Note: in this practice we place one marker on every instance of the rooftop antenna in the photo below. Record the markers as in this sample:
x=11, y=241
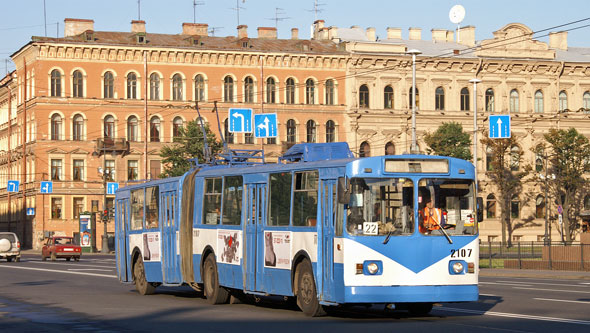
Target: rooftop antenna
x=316, y=9
x=195, y=4
x=456, y=15
x=237, y=9
x=206, y=150
x=213, y=29
x=277, y=18
x=139, y=9
x=45, y=17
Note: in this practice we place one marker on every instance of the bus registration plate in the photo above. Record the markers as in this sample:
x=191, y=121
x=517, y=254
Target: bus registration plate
x=370, y=228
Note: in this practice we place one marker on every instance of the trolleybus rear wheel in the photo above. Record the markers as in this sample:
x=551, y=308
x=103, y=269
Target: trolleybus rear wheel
x=141, y=284
x=215, y=294
x=307, y=298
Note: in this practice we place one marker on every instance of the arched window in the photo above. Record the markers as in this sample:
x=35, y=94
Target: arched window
x=229, y=136
x=330, y=92
x=132, y=86
x=465, y=99
x=271, y=90
x=515, y=207
x=177, y=87
x=439, y=98
x=132, y=129
x=586, y=102
x=309, y=92
x=55, y=83
x=540, y=207
x=77, y=84
x=539, y=101
x=364, y=96
x=291, y=131
x=562, y=100
x=491, y=206
x=228, y=89
x=388, y=97
x=417, y=98
x=514, y=158
x=154, y=86
x=514, y=107
x=109, y=85
x=290, y=91
x=177, y=124
x=365, y=149
x=109, y=127
x=248, y=138
x=389, y=148
x=199, y=88
x=78, y=128
x=489, y=159
x=248, y=90
x=56, y=127
x=155, y=129
x=311, y=131
x=490, y=103
x=330, y=131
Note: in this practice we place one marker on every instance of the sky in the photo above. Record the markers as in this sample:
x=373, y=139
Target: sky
x=25, y=18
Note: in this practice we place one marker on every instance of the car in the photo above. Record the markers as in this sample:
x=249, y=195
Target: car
x=61, y=247
x=9, y=246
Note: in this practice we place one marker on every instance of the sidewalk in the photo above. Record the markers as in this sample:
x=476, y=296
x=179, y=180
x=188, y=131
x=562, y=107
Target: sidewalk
x=535, y=274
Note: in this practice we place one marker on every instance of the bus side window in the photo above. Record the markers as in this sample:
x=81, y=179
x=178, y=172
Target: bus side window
x=152, y=207
x=305, y=198
x=232, y=200
x=212, y=200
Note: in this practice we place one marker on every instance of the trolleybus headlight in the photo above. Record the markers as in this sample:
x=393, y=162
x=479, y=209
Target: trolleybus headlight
x=458, y=267
x=373, y=268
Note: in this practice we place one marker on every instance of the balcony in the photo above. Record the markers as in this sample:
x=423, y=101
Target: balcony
x=104, y=145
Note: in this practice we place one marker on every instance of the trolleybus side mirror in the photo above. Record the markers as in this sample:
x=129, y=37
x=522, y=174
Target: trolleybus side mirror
x=343, y=191
x=479, y=209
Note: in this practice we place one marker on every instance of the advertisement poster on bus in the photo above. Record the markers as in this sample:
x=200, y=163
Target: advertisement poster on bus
x=229, y=244
x=151, y=246
x=277, y=249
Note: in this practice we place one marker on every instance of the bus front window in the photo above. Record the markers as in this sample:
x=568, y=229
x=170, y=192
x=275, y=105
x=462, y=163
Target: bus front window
x=380, y=207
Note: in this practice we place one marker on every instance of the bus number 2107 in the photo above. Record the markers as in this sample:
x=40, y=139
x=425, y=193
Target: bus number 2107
x=460, y=253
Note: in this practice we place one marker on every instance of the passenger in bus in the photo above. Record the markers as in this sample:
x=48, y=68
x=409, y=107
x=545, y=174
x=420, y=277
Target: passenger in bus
x=431, y=218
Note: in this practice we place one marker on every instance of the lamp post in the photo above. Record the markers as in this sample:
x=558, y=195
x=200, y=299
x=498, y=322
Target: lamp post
x=475, y=82
x=546, y=236
x=414, y=147
x=105, y=236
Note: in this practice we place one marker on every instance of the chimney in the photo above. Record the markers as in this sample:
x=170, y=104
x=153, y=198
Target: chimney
x=242, y=31
x=267, y=33
x=294, y=33
x=137, y=26
x=195, y=29
x=394, y=33
x=332, y=33
x=450, y=36
x=371, y=34
x=558, y=40
x=466, y=35
x=74, y=27
x=318, y=25
x=439, y=35
x=415, y=33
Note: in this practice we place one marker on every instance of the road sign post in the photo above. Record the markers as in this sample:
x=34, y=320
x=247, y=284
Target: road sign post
x=265, y=125
x=46, y=187
x=112, y=187
x=499, y=126
x=12, y=186
x=240, y=120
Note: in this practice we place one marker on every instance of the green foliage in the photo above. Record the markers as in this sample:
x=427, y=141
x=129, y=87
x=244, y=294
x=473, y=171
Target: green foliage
x=449, y=140
x=189, y=144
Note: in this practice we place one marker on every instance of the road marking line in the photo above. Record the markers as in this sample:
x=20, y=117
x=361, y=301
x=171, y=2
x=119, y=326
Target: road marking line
x=551, y=284
x=561, y=300
x=556, y=290
x=56, y=271
x=71, y=264
x=89, y=269
x=516, y=315
x=505, y=284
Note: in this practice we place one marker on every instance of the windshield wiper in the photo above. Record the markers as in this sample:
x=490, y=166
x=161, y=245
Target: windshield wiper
x=389, y=233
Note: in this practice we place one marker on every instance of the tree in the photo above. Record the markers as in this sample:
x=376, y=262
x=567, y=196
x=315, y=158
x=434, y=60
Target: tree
x=189, y=144
x=449, y=140
x=568, y=161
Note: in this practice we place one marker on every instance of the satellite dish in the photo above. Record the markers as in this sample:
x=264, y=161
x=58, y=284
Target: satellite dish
x=457, y=14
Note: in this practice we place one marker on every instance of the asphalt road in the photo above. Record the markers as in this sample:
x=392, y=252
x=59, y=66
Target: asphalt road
x=45, y=296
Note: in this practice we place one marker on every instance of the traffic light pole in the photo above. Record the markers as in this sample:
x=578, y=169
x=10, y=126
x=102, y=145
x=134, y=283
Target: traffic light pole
x=105, y=237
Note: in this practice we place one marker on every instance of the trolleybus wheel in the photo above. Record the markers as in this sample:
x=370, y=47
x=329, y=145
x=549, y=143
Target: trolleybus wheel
x=141, y=284
x=215, y=294
x=419, y=309
x=307, y=298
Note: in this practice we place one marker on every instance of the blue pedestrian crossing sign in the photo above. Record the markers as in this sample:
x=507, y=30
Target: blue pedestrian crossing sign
x=265, y=125
x=30, y=211
x=12, y=186
x=499, y=126
x=46, y=187
x=112, y=188
x=240, y=121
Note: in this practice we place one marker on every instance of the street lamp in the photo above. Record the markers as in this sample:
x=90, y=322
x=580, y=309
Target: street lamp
x=475, y=82
x=414, y=147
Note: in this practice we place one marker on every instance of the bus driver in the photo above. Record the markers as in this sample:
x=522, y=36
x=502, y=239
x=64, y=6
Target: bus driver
x=430, y=218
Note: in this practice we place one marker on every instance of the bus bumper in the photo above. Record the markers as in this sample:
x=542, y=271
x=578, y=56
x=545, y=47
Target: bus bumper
x=403, y=294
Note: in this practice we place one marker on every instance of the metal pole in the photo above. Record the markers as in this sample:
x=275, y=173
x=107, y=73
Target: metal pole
x=475, y=82
x=24, y=161
x=104, y=206
x=546, y=236
x=414, y=147
x=145, y=109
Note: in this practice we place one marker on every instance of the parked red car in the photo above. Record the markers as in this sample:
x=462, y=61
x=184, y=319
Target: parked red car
x=61, y=247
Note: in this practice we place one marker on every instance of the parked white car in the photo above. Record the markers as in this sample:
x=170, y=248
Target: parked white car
x=9, y=246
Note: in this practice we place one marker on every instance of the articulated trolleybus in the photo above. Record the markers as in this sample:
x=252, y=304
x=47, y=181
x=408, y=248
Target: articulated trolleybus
x=319, y=226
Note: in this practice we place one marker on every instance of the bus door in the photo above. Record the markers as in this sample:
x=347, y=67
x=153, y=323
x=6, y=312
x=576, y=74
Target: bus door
x=254, y=244
x=170, y=268
x=122, y=247
x=326, y=249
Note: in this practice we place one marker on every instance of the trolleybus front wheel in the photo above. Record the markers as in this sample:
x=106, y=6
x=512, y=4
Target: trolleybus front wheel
x=307, y=297
x=215, y=294
x=141, y=284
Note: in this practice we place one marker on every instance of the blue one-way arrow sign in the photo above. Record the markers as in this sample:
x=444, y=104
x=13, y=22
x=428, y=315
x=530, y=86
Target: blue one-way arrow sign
x=13, y=185
x=265, y=125
x=112, y=188
x=499, y=126
x=240, y=121
x=46, y=187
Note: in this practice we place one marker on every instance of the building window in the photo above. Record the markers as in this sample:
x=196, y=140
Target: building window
x=131, y=86
x=364, y=96
x=248, y=90
x=155, y=129
x=540, y=207
x=77, y=84
x=490, y=100
x=330, y=92
x=417, y=98
x=177, y=124
x=229, y=136
x=562, y=100
x=199, y=88
x=290, y=91
x=56, y=127
x=109, y=127
x=271, y=88
x=249, y=138
x=489, y=159
x=56, y=172
x=56, y=206
x=309, y=92
x=388, y=97
x=109, y=170
x=78, y=128
x=311, y=131
x=109, y=85
x=155, y=169
x=491, y=206
x=365, y=149
x=177, y=87
x=389, y=148
x=539, y=101
x=586, y=102
x=55, y=83
x=228, y=89
x=514, y=107
x=78, y=172
x=587, y=202
x=78, y=207
x=132, y=128
x=291, y=131
x=465, y=99
x=514, y=158
x=539, y=159
x=330, y=131
x=132, y=170
x=154, y=86
x=515, y=207
x=439, y=98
